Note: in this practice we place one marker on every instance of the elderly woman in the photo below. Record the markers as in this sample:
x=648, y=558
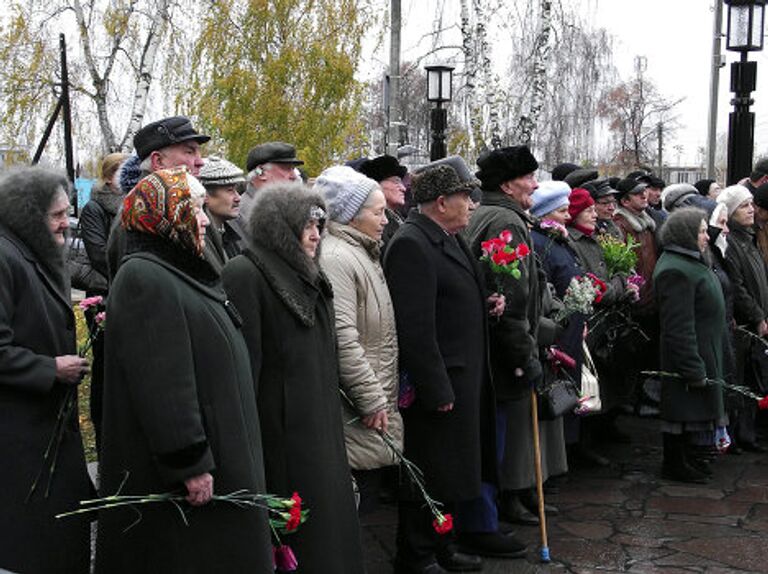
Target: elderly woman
x=179, y=406
x=692, y=315
x=748, y=273
x=288, y=320
x=365, y=323
x=38, y=367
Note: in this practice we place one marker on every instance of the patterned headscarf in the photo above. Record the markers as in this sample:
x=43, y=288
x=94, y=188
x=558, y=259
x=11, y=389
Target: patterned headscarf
x=163, y=204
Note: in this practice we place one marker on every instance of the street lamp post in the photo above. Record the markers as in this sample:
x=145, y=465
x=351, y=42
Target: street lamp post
x=439, y=91
x=744, y=35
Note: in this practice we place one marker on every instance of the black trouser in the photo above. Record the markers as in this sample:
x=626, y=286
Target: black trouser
x=417, y=542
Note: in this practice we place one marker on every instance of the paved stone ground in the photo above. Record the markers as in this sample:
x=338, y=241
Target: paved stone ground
x=624, y=518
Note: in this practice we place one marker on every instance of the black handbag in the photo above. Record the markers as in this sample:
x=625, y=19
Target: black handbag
x=558, y=393
x=557, y=398
x=81, y=274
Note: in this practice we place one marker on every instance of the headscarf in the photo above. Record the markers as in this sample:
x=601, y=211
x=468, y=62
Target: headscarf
x=163, y=204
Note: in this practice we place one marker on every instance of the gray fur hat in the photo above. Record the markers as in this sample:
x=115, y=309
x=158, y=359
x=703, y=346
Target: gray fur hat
x=345, y=191
x=217, y=171
x=462, y=170
x=682, y=228
x=440, y=180
x=26, y=194
x=674, y=195
x=280, y=214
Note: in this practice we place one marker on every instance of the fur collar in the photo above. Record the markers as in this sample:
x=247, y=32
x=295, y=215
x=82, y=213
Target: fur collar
x=107, y=199
x=296, y=291
x=637, y=223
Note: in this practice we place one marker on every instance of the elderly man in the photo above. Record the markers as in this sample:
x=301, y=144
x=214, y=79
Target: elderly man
x=386, y=170
x=222, y=205
x=440, y=310
x=605, y=205
x=267, y=163
x=508, y=181
x=758, y=177
x=164, y=144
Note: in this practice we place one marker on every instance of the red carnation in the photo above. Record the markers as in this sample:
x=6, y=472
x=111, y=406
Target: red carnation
x=443, y=523
x=295, y=513
x=762, y=404
x=522, y=250
x=506, y=236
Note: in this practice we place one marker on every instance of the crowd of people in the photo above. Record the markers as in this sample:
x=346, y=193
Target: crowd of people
x=269, y=334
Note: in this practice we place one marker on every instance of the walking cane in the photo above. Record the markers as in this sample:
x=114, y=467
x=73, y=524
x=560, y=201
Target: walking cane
x=539, y=481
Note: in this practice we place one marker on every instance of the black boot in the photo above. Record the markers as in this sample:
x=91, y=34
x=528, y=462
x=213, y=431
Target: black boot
x=696, y=458
x=675, y=466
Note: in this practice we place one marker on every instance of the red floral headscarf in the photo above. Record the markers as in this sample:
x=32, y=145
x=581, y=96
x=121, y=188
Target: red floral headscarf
x=162, y=204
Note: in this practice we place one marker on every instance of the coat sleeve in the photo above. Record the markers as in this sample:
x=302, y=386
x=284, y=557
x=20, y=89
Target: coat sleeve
x=412, y=279
x=746, y=309
x=160, y=371
x=357, y=377
x=20, y=367
x=676, y=295
x=94, y=228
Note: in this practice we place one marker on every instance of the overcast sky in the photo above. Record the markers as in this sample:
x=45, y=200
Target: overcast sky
x=675, y=37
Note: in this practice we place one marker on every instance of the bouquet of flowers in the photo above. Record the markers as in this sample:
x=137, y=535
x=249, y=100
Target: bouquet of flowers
x=620, y=257
x=69, y=400
x=582, y=293
x=503, y=258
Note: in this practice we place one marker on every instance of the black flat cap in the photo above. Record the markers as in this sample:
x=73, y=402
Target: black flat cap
x=578, y=177
x=382, y=167
x=629, y=186
x=562, y=169
x=272, y=152
x=598, y=188
x=164, y=133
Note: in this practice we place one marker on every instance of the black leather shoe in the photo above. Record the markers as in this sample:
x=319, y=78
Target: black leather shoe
x=682, y=472
x=460, y=562
x=531, y=502
x=492, y=544
x=512, y=510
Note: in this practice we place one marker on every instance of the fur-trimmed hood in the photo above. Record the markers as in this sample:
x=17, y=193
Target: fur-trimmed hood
x=278, y=218
x=26, y=193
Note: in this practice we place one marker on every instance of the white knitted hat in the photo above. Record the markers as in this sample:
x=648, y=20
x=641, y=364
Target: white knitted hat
x=733, y=196
x=217, y=171
x=344, y=190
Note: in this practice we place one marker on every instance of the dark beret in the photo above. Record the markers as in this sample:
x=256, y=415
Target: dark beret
x=272, y=152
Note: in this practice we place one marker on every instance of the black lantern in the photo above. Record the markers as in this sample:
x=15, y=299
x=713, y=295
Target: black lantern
x=439, y=91
x=745, y=25
x=745, y=34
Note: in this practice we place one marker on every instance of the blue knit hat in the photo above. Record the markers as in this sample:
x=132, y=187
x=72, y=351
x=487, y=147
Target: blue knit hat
x=549, y=196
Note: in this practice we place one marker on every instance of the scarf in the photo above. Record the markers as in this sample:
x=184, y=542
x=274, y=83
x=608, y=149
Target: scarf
x=638, y=223
x=161, y=204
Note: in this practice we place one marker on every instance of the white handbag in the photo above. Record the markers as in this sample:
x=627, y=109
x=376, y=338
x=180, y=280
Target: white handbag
x=589, y=402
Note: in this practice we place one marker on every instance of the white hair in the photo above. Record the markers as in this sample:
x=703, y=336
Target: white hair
x=196, y=189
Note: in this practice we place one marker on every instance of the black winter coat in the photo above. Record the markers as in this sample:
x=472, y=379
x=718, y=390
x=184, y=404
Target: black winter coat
x=591, y=259
x=178, y=402
x=95, y=223
x=512, y=336
x=749, y=276
x=289, y=328
x=36, y=325
x=440, y=310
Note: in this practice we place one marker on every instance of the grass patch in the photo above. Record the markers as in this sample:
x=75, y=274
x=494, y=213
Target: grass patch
x=84, y=393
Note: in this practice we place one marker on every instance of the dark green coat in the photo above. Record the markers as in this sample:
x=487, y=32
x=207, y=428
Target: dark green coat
x=590, y=256
x=36, y=325
x=289, y=327
x=692, y=315
x=178, y=402
x=512, y=336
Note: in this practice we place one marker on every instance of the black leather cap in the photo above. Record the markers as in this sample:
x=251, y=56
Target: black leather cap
x=164, y=133
x=272, y=152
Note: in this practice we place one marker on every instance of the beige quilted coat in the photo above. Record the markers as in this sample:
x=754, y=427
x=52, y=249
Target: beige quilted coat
x=367, y=342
